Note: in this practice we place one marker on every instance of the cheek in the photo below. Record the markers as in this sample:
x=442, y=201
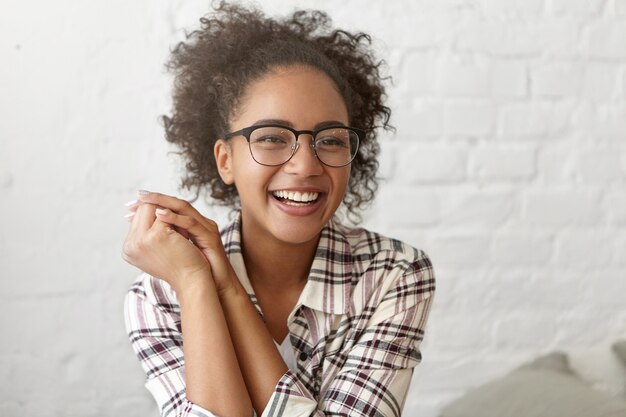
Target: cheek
x=251, y=178
x=342, y=180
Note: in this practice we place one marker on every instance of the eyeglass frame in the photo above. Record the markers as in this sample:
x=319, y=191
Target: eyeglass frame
x=247, y=131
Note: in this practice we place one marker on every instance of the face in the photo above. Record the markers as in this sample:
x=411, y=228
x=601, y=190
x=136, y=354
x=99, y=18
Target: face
x=305, y=99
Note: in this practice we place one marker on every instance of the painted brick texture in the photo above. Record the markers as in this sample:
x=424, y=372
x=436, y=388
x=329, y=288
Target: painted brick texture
x=508, y=167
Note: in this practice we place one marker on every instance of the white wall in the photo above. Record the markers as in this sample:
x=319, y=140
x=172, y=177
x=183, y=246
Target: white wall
x=508, y=167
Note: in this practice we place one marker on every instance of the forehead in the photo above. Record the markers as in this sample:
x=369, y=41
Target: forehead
x=302, y=95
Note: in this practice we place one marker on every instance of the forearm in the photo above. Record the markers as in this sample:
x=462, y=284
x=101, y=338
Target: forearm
x=213, y=378
x=259, y=360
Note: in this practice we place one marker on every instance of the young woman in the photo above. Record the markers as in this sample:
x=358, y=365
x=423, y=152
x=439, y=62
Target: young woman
x=286, y=312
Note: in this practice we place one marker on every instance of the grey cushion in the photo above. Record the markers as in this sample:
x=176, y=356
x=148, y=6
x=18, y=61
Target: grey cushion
x=620, y=349
x=544, y=388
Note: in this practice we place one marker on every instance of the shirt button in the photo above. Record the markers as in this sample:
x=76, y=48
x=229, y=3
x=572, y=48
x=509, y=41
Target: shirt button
x=303, y=356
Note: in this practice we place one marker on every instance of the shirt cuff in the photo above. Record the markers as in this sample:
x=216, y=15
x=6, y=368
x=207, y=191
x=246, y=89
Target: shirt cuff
x=193, y=410
x=168, y=390
x=290, y=398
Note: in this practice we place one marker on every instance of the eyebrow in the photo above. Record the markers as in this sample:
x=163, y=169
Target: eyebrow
x=287, y=123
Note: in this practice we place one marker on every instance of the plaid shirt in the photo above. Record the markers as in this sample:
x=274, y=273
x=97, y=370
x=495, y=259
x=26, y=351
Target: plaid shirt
x=355, y=330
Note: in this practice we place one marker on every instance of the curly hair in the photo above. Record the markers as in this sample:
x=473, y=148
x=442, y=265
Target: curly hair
x=235, y=46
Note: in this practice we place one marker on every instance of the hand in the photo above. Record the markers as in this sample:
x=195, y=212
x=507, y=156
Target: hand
x=156, y=248
x=203, y=232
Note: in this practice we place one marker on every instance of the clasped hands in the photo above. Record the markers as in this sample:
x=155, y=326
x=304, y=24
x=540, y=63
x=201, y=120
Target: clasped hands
x=169, y=239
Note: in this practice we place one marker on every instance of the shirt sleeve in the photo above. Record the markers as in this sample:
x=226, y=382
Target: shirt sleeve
x=152, y=317
x=376, y=375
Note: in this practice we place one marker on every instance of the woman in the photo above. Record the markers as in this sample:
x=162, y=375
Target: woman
x=288, y=312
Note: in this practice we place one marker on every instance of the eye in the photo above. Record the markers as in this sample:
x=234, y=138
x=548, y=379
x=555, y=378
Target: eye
x=333, y=139
x=269, y=139
x=331, y=142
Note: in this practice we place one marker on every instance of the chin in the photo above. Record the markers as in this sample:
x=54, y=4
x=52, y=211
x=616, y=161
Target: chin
x=298, y=232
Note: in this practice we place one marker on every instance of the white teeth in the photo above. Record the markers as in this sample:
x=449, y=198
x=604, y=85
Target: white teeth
x=296, y=196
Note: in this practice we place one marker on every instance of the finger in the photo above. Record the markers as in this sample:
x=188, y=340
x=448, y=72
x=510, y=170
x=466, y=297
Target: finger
x=132, y=205
x=178, y=229
x=174, y=204
x=143, y=219
x=204, y=234
x=166, y=201
x=198, y=231
x=182, y=232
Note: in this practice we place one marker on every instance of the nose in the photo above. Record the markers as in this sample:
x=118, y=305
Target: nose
x=304, y=161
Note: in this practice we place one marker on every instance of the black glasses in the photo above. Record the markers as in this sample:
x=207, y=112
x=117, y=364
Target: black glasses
x=273, y=145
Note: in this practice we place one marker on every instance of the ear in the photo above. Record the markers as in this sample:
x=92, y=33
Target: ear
x=224, y=161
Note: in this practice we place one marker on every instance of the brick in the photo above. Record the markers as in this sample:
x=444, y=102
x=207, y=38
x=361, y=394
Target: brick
x=530, y=331
x=534, y=120
x=562, y=80
x=521, y=250
x=565, y=151
x=432, y=164
x=577, y=7
x=595, y=331
x=605, y=39
x=601, y=165
x=513, y=39
x=558, y=37
x=583, y=249
x=555, y=208
x=472, y=118
x=418, y=74
x=6, y=180
x=519, y=39
x=406, y=207
x=418, y=119
x=619, y=251
x=478, y=209
x=512, y=8
x=129, y=405
x=430, y=28
x=497, y=163
x=465, y=79
x=449, y=371
x=509, y=79
x=461, y=249
x=615, y=205
x=604, y=121
x=548, y=290
x=471, y=332
x=387, y=159
x=463, y=289
x=600, y=81
x=547, y=271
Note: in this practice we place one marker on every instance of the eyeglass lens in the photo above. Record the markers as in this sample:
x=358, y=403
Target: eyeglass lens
x=274, y=145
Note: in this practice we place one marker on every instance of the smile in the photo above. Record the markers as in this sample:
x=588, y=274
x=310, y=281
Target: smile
x=295, y=198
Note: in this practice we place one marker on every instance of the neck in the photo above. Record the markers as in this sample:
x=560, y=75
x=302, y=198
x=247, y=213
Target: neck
x=276, y=264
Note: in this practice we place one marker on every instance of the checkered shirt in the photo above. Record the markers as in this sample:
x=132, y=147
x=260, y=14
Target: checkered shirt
x=355, y=330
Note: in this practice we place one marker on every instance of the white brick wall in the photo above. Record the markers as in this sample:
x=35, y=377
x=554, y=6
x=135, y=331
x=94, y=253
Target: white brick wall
x=508, y=167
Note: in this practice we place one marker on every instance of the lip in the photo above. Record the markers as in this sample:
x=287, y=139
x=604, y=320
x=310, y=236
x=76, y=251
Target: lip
x=299, y=210
x=299, y=189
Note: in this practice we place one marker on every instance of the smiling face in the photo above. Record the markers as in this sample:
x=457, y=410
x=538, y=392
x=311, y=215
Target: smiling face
x=289, y=203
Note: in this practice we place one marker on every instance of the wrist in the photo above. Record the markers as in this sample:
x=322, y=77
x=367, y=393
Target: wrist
x=194, y=284
x=232, y=291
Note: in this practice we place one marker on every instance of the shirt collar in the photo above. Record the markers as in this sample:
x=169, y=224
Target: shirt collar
x=329, y=285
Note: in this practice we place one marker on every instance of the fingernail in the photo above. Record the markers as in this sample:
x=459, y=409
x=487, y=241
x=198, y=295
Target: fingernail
x=160, y=211
x=129, y=215
x=131, y=203
x=143, y=192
